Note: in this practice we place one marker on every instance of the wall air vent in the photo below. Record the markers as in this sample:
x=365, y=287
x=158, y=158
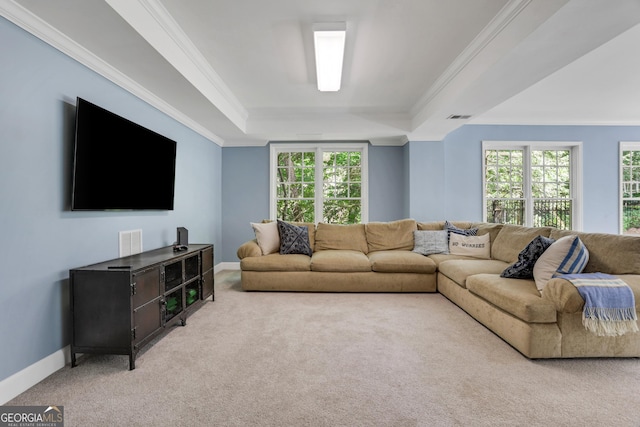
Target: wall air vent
x=459, y=117
x=130, y=242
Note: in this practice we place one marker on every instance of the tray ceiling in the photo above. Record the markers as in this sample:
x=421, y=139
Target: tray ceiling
x=242, y=72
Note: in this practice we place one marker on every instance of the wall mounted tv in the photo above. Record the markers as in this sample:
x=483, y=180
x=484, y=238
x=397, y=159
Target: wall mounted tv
x=120, y=165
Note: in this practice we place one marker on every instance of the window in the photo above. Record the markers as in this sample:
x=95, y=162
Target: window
x=630, y=187
x=319, y=183
x=532, y=184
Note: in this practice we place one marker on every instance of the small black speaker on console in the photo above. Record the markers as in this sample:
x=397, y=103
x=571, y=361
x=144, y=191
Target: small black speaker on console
x=182, y=239
x=183, y=236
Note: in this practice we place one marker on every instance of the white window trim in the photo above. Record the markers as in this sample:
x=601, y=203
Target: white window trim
x=319, y=148
x=624, y=145
x=576, y=172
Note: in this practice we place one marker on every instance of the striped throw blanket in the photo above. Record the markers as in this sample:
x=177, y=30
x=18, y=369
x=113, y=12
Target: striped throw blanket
x=609, y=304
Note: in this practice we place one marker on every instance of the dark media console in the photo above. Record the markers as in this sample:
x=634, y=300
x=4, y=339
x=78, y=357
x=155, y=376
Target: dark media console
x=120, y=305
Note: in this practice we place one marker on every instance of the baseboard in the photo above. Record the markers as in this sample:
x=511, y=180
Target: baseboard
x=226, y=266
x=31, y=375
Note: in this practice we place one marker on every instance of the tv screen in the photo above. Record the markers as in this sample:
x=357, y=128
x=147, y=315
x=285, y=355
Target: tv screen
x=119, y=165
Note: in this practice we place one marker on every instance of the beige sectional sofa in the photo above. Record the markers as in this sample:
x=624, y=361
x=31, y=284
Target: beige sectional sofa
x=379, y=257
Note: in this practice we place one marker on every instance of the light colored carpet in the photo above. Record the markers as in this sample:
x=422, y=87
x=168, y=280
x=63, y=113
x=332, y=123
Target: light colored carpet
x=304, y=359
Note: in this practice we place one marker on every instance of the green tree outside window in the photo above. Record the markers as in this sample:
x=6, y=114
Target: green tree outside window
x=319, y=186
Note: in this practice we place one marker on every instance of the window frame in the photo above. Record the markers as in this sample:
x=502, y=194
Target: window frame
x=575, y=148
x=319, y=148
x=623, y=146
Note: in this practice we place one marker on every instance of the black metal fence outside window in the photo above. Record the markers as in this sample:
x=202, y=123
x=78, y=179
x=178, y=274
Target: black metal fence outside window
x=546, y=213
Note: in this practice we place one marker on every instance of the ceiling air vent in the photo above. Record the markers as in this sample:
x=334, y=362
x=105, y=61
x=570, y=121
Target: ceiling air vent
x=459, y=117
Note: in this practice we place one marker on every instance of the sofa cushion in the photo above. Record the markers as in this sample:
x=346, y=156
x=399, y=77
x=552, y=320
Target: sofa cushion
x=267, y=236
x=566, y=298
x=523, y=268
x=400, y=262
x=459, y=270
x=512, y=239
x=342, y=237
x=386, y=236
x=340, y=260
x=294, y=239
x=276, y=262
x=567, y=255
x=474, y=246
x=440, y=258
x=608, y=253
x=517, y=297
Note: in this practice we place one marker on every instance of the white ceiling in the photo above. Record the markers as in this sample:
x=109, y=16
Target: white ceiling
x=241, y=72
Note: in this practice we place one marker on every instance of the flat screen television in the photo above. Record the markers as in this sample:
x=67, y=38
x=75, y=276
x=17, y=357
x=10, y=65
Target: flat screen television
x=120, y=165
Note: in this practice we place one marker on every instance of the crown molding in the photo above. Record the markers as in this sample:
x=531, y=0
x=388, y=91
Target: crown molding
x=393, y=141
x=26, y=20
x=506, y=15
x=156, y=25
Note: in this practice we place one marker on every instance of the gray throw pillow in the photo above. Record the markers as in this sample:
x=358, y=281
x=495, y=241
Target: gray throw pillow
x=523, y=268
x=294, y=239
x=427, y=242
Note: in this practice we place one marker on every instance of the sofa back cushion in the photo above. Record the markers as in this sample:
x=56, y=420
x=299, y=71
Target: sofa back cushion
x=487, y=228
x=388, y=236
x=608, y=253
x=512, y=239
x=334, y=236
x=439, y=225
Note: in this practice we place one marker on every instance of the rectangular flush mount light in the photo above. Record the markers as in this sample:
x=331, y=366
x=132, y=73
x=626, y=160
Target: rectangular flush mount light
x=329, y=40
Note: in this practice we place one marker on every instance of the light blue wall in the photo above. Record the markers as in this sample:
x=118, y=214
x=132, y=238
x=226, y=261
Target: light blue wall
x=426, y=183
x=245, y=195
x=386, y=181
x=41, y=239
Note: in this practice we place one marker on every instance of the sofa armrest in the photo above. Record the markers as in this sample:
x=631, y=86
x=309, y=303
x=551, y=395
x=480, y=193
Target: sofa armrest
x=249, y=249
x=563, y=295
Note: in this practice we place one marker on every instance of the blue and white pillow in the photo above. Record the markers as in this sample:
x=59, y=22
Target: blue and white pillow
x=462, y=231
x=567, y=255
x=576, y=259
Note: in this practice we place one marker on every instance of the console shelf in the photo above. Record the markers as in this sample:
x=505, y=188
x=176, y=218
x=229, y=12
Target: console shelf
x=120, y=305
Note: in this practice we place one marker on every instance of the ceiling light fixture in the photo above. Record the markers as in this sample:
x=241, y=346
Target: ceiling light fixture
x=329, y=40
